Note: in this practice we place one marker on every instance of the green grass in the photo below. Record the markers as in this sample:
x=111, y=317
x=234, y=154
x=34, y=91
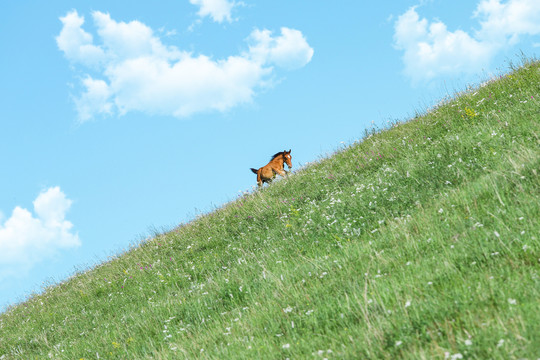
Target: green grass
x=420, y=241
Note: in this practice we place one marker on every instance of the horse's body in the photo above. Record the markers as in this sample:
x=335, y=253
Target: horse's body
x=275, y=166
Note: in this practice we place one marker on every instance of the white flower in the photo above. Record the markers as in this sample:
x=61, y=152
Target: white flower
x=288, y=309
x=512, y=301
x=286, y=346
x=441, y=211
x=399, y=342
x=500, y=343
x=408, y=303
x=468, y=342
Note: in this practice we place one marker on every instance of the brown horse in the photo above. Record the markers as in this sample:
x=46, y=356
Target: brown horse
x=275, y=166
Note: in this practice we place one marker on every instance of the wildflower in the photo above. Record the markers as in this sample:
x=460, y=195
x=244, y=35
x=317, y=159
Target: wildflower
x=470, y=113
x=500, y=343
x=468, y=342
x=408, y=303
x=399, y=342
x=288, y=309
x=512, y=301
x=286, y=346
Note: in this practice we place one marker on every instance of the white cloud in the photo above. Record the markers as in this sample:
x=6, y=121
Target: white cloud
x=77, y=43
x=95, y=100
x=25, y=239
x=139, y=73
x=431, y=50
x=507, y=21
x=290, y=50
x=218, y=10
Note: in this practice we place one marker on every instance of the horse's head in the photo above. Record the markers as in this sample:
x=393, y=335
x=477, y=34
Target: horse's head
x=287, y=158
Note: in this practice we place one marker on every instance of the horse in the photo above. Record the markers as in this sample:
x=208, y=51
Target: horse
x=276, y=166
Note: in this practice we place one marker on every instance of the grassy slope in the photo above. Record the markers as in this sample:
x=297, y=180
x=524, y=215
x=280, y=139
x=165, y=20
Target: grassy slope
x=420, y=241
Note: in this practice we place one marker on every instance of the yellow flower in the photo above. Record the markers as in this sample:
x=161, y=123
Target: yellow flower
x=116, y=345
x=470, y=113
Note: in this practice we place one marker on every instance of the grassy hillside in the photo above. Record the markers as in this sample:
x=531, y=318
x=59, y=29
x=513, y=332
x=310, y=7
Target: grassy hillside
x=421, y=241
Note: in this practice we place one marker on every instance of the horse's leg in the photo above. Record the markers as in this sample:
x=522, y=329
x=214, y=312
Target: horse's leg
x=280, y=172
x=259, y=180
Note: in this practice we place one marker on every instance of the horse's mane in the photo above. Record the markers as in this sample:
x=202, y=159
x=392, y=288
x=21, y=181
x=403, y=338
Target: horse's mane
x=276, y=155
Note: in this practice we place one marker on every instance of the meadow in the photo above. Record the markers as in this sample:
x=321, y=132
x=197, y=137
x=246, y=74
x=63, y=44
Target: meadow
x=418, y=241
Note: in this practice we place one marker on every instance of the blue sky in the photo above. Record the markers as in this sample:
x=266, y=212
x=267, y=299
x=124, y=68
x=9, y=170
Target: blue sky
x=121, y=118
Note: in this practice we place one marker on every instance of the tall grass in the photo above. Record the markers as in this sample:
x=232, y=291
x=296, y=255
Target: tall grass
x=420, y=241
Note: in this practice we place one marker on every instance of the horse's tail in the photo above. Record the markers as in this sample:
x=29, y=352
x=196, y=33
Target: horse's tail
x=254, y=170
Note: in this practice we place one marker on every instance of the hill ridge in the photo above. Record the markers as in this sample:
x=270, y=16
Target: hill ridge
x=419, y=241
